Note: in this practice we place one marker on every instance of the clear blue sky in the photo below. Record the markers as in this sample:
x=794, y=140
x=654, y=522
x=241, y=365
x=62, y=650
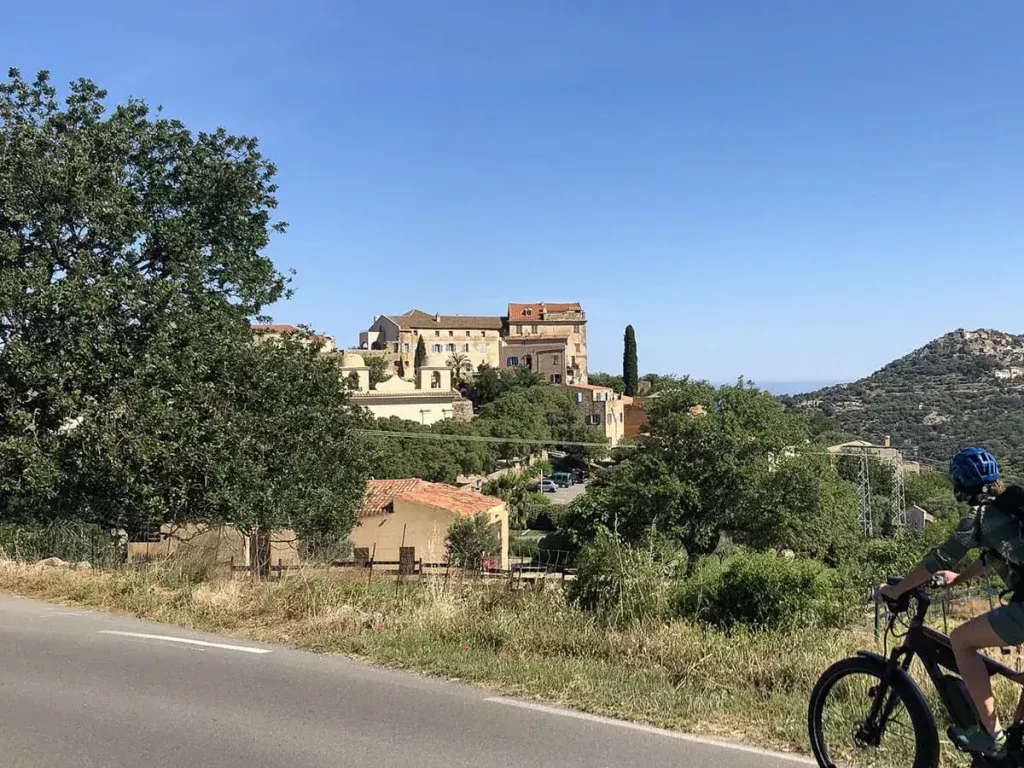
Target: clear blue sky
x=785, y=190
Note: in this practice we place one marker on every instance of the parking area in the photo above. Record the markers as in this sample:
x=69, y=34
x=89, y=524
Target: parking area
x=565, y=495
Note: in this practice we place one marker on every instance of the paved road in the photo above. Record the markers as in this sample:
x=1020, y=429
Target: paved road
x=84, y=689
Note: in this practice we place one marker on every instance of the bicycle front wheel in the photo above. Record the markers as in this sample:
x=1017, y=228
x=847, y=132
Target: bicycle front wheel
x=855, y=721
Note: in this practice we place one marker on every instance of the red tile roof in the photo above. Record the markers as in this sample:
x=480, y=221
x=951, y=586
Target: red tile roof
x=516, y=311
x=381, y=493
x=458, y=500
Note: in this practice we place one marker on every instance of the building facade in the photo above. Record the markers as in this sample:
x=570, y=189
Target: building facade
x=415, y=513
x=478, y=338
x=426, y=399
x=547, y=327
x=602, y=407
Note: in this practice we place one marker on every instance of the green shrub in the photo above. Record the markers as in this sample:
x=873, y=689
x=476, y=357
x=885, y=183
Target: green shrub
x=524, y=547
x=764, y=591
x=878, y=559
x=623, y=585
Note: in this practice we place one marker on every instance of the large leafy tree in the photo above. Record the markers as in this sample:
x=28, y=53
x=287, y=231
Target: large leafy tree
x=630, y=373
x=131, y=257
x=695, y=477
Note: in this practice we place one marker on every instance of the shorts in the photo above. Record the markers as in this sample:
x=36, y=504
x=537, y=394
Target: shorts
x=1008, y=622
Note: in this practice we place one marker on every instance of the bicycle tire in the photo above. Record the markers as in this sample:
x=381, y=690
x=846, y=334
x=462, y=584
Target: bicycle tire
x=926, y=736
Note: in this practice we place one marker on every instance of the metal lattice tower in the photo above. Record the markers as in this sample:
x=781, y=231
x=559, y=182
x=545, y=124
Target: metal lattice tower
x=864, y=493
x=899, y=494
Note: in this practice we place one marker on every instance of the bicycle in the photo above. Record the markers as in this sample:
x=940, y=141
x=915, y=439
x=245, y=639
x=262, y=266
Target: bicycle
x=890, y=691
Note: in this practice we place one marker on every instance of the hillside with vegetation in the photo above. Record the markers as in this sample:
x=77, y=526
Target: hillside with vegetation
x=962, y=388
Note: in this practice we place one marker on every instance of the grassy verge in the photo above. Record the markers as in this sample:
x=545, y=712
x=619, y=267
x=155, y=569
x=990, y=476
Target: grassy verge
x=752, y=687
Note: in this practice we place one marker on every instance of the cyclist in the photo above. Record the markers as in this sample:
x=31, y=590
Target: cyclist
x=996, y=529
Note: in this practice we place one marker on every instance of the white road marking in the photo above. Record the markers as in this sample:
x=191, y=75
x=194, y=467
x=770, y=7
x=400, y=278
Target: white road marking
x=186, y=641
x=646, y=729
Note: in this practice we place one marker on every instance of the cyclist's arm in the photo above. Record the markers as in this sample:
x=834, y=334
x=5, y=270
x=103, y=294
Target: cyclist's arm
x=952, y=550
x=944, y=556
x=971, y=572
x=915, y=578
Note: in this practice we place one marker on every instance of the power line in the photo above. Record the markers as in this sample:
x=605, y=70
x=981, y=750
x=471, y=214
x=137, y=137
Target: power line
x=486, y=439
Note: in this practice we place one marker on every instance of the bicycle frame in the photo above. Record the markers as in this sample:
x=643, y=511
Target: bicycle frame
x=936, y=654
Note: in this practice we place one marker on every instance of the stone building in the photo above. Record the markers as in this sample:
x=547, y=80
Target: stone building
x=426, y=399
x=478, y=338
x=548, y=338
x=602, y=407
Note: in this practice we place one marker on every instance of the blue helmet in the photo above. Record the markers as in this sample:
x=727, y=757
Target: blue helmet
x=973, y=467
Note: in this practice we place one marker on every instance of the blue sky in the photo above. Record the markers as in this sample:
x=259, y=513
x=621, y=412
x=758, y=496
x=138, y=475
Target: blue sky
x=784, y=190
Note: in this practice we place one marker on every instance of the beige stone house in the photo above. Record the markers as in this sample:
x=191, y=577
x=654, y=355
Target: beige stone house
x=415, y=513
x=478, y=338
x=219, y=545
x=427, y=399
x=546, y=327
x=602, y=407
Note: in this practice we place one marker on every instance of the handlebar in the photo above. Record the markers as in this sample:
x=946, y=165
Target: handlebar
x=902, y=603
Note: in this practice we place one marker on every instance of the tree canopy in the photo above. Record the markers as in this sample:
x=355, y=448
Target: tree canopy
x=131, y=392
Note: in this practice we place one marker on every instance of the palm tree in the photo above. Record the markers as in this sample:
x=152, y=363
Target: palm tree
x=460, y=365
x=512, y=488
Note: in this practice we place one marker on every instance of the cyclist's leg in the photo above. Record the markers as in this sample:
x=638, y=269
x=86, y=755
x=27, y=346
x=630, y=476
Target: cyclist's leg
x=968, y=639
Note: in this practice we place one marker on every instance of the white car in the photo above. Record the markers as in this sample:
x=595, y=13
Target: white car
x=547, y=486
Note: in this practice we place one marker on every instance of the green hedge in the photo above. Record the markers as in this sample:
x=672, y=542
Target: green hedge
x=764, y=591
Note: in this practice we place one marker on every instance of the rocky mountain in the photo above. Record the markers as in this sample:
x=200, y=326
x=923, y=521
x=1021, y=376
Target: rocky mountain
x=965, y=388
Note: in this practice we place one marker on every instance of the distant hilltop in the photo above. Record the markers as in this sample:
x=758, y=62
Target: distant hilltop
x=966, y=387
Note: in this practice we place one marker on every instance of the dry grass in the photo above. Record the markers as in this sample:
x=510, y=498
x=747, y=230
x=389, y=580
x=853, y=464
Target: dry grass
x=752, y=687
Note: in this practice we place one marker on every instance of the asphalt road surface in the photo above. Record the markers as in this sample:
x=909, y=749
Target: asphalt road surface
x=84, y=689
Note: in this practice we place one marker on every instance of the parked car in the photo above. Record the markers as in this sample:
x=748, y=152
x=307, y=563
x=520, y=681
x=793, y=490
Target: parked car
x=578, y=475
x=563, y=479
x=547, y=485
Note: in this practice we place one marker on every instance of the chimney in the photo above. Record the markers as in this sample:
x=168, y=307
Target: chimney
x=437, y=317
x=888, y=441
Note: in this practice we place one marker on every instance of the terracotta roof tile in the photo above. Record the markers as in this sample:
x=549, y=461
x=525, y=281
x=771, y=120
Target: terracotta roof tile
x=458, y=500
x=381, y=493
x=516, y=311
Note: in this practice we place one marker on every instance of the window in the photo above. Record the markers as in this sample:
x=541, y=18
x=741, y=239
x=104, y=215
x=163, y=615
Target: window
x=449, y=347
x=435, y=380
x=519, y=330
x=533, y=329
x=467, y=334
x=554, y=359
x=437, y=334
x=527, y=311
x=407, y=347
x=465, y=347
x=529, y=362
x=576, y=328
x=594, y=419
x=620, y=418
x=579, y=397
x=556, y=378
x=450, y=334
x=396, y=346
x=574, y=361
x=579, y=348
x=512, y=362
x=435, y=348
